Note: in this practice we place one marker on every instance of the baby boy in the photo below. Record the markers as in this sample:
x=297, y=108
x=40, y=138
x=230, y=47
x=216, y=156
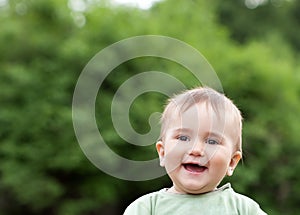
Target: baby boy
x=200, y=143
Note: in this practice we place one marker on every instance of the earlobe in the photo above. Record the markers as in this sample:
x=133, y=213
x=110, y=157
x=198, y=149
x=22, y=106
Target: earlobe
x=233, y=163
x=161, y=152
x=229, y=171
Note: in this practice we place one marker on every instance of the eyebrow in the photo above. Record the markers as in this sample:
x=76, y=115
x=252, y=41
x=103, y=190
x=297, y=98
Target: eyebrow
x=187, y=130
x=209, y=133
x=216, y=134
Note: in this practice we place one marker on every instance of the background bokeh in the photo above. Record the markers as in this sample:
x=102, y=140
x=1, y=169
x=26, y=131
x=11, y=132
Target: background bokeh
x=253, y=46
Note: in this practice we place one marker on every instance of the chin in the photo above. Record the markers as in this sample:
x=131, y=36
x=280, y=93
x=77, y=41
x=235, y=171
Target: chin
x=197, y=188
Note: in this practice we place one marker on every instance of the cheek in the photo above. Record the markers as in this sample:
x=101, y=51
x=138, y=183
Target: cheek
x=173, y=157
x=221, y=159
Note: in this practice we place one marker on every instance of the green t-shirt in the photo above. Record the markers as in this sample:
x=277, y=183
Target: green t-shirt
x=223, y=201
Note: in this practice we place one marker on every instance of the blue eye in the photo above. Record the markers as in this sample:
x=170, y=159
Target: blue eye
x=212, y=142
x=183, y=138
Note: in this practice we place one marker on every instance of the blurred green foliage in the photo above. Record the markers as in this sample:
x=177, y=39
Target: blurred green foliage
x=44, y=45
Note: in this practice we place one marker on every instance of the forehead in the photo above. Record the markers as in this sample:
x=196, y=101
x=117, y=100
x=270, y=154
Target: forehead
x=200, y=116
x=219, y=113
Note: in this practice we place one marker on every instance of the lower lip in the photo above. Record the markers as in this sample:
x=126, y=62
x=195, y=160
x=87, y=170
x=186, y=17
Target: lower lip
x=195, y=172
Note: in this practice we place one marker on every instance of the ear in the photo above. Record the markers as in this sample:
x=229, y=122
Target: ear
x=161, y=152
x=233, y=163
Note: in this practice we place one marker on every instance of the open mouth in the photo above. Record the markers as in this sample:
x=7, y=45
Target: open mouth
x=194, y=168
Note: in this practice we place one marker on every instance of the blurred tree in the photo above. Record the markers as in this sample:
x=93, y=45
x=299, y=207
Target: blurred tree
x=249, y=19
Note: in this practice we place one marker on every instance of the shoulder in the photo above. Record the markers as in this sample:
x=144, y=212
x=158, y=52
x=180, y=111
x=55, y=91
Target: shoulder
x=242, y=203
x=142, y=205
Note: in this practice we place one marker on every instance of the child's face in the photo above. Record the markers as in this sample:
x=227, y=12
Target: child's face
x=198, y=150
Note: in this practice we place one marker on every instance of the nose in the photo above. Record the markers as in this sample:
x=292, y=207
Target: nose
x=197, y=148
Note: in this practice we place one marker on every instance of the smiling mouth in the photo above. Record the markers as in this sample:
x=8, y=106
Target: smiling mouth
x=194, y=168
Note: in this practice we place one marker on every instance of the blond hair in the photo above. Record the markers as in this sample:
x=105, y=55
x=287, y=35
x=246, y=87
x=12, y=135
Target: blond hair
x=220, y=104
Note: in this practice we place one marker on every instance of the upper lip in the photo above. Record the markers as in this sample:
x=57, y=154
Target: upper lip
x=193, y=163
